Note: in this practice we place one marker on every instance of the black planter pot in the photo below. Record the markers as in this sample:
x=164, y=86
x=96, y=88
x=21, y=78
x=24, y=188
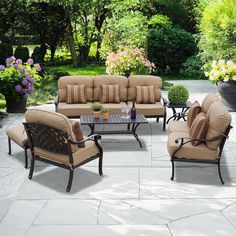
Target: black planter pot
x=227, y=92
x=16, y=106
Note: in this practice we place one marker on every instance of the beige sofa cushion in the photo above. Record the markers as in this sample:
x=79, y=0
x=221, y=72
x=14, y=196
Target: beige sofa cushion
x=74, y=110
x=79, y=156
x=76, y=94
x=207, y=101
x=219, y=120
x=115, y=108
x=145, y=94
x=144, y=80
x=53, y=119
x=200, y=152
x=155, y=109
x=75, y=80
x=110, y=93
x=120, y=80
x=177, y=126
x=194, y=110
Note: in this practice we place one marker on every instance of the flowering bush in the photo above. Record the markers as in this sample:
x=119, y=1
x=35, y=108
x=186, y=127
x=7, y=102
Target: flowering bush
x=18, y=78
x=128, y=61
x=222, y=71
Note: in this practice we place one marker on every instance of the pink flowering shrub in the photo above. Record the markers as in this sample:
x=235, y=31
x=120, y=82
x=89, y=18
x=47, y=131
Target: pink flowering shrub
x=128, y=61
x=18, y=78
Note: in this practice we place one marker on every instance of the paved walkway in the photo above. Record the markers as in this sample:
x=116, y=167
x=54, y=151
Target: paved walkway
x=134, y=197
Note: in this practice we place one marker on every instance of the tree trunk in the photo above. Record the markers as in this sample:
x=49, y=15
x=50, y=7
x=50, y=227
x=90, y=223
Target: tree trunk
x=53, y=50
x=99, y=42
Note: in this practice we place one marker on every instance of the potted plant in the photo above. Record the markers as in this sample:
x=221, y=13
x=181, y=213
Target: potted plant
x=96, y=107
x=178, y=94
x=105, y=113
x=17, y=82
x=223, y=74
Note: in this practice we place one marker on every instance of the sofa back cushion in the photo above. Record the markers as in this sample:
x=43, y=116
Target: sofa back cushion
x=194, y=110
x=145, y=94
x=219, y=119
x=144, y=80
x=199, y=128
x=76, y=94
x=52, y=119
x=110, y=93
x=207, y=101
x=75, y=80
x=120, y=80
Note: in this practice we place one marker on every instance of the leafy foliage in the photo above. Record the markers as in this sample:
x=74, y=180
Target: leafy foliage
x=96, y=106
x=178, y=94
x=6, y=51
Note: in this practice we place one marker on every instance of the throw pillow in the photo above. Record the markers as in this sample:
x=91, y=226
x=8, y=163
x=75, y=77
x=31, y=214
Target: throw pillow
x=199, y=128
x=75, y=94
x=110, y=93
x=193, y=111
x=145, y=94
x=78, y=133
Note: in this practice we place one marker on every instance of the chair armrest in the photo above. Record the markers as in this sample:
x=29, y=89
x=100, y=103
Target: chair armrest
x=93, y=137
x=164, y=100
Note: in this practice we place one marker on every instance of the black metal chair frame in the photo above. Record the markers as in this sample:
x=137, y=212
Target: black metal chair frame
x=185, y=140
x=57, y=141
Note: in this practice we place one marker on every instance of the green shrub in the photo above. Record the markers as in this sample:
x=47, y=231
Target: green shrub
x=6, y=51
x=37, y=55
x=22, y=53
x=178, y=94
x=169, y=47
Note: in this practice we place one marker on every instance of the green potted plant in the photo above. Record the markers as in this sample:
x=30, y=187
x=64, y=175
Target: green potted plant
x=96, y=107
x=105, y=113
x=178, y=94
x=17, y=81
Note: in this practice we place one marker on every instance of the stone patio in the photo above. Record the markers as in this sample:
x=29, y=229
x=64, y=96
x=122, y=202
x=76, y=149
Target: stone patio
x=134, y=196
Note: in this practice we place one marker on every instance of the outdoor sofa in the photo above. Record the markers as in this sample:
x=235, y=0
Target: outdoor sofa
x=115, y=91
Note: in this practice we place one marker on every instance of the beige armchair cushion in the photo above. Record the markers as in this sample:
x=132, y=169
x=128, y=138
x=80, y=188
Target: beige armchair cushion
x=207, y=101
x=144, y=80
x=120, y=80
x=177, y=126
x=53, y=119
x=194, y=110
x=219, y=120
x=75, y=80
x=200, y=152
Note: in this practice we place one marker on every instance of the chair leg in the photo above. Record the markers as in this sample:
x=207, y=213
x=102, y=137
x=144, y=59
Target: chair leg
x=31, y=168
x=173, y=170
x=26, y=158
x=221, y=179
x=70, y=180
x=100, y=164
x=9, y=146
x=164, y=123
x=157, y=119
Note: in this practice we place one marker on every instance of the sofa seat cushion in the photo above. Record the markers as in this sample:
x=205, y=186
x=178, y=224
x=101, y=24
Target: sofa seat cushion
x=188, y=151
x=156, y=109
x=115, y=108
x=74, y=109
x=177, y=126
x=79, y=156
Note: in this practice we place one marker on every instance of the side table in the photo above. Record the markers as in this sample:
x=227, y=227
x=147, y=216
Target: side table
x=178, y=115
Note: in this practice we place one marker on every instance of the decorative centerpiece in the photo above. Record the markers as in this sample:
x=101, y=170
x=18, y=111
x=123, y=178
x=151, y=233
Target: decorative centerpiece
x=178, y=94
x=223, y=74
x=105, y=113
x=96, y=107
x=17, y=82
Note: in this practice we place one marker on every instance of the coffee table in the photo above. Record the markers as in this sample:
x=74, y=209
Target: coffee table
x=114, y=120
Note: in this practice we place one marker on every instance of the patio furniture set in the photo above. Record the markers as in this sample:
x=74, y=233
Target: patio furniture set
x=54, y=138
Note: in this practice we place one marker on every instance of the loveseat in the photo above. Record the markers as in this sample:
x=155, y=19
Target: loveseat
x=202, y=137
x=125, y=89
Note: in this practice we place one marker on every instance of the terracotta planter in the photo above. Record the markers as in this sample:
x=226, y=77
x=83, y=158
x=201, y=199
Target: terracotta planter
x=105, y=115
x=96, y=114
x=16, y=105
x=227, y=92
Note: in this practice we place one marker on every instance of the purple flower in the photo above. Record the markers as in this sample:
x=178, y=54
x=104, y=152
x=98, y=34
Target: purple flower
x=18, y=88
x=12, y=58
x=19, y=61
x=38, y=68
x=22, y=70
x=32, y=80
x=2, y=67
x=24, y=81
x=30, y=61
x=30, y=90
x=16, y=66
x=23, y=91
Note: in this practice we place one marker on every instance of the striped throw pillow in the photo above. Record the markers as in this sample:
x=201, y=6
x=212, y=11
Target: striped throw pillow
x=145, y=94
x=199, y=128
x=193, y=111
x=75, y=94
x=110, y=93
x=78, y=133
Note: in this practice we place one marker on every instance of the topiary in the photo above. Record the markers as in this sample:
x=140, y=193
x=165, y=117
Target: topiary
x=178, y=94
x=6, y=51
x=22, y=53
x=37, y=55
